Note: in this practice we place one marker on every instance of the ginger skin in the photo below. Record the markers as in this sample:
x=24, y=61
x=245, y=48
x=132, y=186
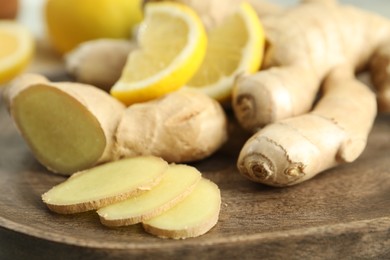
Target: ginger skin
x=296, y=149
x=183, y=126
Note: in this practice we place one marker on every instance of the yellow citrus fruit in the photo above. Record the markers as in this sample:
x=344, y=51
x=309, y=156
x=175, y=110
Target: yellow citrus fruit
x=172, y=43
x=234, y=47
x=16, y=49
x=71, y=22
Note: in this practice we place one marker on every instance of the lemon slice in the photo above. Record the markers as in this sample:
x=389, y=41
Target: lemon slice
x=234, y=47
x=16, y=49
x=172, y=44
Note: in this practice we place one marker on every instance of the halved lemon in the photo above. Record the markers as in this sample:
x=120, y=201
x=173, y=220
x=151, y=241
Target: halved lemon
x=234, y=47
x=172, y=44
x=16, y=49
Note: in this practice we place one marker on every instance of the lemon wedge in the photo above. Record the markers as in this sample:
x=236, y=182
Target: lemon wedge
x=172, y=44
x=234, y=47
x=16, y=49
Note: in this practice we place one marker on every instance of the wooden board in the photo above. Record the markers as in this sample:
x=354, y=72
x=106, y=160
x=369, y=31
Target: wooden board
x=342, y=213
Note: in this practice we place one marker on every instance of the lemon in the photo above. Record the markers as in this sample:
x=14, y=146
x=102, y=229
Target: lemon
x=71, y=22
x=234, y=47
x=16, y=49
x=172, y=43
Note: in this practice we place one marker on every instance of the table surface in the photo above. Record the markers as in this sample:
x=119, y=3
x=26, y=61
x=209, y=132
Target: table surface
x=342, y=213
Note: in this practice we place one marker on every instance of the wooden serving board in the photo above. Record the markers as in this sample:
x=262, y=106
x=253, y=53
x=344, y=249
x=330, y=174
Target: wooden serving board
x=342, y=213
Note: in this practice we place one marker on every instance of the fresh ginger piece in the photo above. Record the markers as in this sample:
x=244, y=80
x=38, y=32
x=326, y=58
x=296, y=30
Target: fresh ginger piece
x=192, y=217
x=99, y=62
x=105, y=184
x=68, y=126
x=183, y=126
x=296, y=149
x=178, y=182
x=305, y=43
x=71, y=126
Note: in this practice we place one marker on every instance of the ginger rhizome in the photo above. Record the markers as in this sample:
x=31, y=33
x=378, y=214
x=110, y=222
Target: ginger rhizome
x=179, y=127
x=72, y=126
x=295, y=149
x=305, y=43
x=314, y=43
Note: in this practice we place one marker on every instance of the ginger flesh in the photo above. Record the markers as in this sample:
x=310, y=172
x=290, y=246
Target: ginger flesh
x=43, y=114
x=68, y=126
x=172, y=201
x=178, y=182
x=106, y=184
x=192, y=217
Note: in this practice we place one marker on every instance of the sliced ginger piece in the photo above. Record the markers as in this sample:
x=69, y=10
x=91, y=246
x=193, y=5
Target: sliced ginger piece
x=178, y=182
x=192, y=217
x=105, y=184
x=68, y=126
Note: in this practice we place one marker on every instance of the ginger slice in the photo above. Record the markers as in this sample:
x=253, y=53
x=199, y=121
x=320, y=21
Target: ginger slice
x=192, y=217
x=178, y=182
x=105, y=184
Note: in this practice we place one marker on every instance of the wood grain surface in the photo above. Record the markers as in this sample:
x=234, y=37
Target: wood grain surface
x=343, y=213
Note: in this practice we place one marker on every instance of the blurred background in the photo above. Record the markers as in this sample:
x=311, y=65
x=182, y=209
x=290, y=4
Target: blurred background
x=31, y=15
x=30, y=12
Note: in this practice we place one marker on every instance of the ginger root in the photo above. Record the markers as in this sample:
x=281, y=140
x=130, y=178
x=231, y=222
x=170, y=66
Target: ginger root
x=98, y=62
x=296, y=149
x=305, y=43
x=325, y=44
x=72, y=126
x=182, y=126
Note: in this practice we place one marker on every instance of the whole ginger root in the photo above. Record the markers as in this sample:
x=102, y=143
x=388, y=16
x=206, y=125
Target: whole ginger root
x=305, y=43
x=314, y=44
x=72, y=126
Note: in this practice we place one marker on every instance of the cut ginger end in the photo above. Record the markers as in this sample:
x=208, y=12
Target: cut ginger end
x=42, y=114
x=105, y=184
x=192, y=217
